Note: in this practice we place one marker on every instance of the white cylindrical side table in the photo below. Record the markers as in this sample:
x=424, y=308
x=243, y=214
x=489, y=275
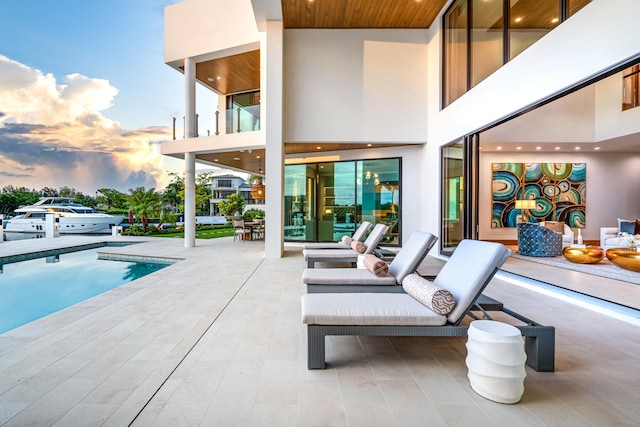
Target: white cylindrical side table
x=495, y=358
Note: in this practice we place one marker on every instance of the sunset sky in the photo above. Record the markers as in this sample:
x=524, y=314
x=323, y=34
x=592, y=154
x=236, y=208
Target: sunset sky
x=85, y=96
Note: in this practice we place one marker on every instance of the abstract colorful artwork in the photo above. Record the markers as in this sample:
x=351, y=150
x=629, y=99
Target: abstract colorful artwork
x=558, y=189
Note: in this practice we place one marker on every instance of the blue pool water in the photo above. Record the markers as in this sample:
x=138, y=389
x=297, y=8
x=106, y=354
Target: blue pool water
x=35, y=288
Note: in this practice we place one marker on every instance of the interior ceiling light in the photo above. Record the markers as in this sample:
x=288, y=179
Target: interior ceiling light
x=557, y=148
x=538, y=148
x=236, y=158
x=596, y=148
x=498, y=148
x=518, y=19
x=210, y=78
x=369, y=145
x=577, y=148
x=518, y=148
x=554, y=20
x=257, y=157
x=318, y=147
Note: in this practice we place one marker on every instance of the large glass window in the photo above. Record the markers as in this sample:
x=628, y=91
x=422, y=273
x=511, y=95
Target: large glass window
x=630, y=87
x=529, y=21
x=379, y=195
x=477, y=42
x=326, y=201
x=452, y=196
x=486, y=40
x=455, y=45
x=299, y=202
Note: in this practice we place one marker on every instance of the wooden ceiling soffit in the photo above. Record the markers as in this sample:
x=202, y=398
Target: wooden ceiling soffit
x=252, y=162
x=360, y=13
x=317, y=147
x=231, y=74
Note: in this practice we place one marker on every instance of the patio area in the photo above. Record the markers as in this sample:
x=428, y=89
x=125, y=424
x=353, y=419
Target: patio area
x=217, y=339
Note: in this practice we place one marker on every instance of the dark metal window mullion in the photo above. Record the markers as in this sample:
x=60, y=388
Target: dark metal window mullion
x=469, y=42
x=506, y=40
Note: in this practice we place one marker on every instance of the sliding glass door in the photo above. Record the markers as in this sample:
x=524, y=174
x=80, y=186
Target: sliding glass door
x=326, y=201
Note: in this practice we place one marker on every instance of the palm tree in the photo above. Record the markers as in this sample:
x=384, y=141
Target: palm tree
x=144, y=203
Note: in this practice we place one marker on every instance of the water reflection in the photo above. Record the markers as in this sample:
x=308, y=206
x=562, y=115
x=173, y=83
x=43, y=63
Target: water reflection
x=138, y=270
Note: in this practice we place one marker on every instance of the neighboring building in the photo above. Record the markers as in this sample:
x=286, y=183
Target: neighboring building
x=397, y=112
x=225, y=185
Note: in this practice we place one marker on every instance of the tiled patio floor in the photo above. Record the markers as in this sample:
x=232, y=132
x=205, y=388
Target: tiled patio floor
x=216, y=339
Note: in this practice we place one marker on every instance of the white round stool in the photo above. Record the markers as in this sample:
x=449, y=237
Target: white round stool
x=495, y=358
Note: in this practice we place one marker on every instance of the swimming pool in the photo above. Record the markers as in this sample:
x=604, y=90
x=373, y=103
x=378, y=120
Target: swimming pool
x=34, y=288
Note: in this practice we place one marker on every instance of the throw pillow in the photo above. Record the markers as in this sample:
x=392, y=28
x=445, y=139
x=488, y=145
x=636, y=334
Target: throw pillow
x=437, y=299
x=376, y=265
x=557, y=226
x=347, y=240
x=626, y=226
x=358, y=246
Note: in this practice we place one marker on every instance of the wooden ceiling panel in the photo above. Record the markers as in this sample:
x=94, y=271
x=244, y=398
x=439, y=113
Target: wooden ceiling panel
x=231, y=74
x=253, y=161
x=360, y=13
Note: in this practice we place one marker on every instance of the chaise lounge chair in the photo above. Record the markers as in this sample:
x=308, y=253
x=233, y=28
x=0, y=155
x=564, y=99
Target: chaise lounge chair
x=464, y=276
x=338, y=280
x=345, y=255
x=358, y=235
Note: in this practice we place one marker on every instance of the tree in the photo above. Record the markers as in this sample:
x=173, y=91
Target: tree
x=111, y=198
x=144, y=203
x=173, y=194
x=234, y=203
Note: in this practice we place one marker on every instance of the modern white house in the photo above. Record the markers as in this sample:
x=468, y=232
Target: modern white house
x=224, y=185
x=412, y=112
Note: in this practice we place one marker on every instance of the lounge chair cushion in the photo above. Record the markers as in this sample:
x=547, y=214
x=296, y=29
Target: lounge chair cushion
x=358, y=246
x=367, y=309
x=465, y=273
x=376, y=265
x=344, y=276
x=411, y=255
x=434, y=297
x=347, y=240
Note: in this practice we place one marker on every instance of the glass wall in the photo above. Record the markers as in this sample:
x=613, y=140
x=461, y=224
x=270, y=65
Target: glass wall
x=455, y=45
x=300, y=203
x=452, y=196
x=326, y=201
x=480, y=36
x=486, y=40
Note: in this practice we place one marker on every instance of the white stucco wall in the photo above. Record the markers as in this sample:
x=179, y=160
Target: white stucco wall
x=198, y=28
x=355, y=85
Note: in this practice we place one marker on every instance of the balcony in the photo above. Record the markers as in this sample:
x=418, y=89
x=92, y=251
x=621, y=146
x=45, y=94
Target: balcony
x=236, y=120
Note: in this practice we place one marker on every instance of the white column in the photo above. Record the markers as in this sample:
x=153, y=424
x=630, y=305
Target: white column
x=189, y=158
x=271, y=86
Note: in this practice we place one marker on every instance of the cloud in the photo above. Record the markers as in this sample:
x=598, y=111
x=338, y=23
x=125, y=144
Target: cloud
x=56, y=135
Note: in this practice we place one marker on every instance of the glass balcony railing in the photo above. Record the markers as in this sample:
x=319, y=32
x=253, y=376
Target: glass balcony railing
x=237, y=120
x=243, y=119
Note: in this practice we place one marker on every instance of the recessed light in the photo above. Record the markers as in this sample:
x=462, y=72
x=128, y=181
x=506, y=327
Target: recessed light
x=577, y=148
x=236, y=158
x=318, y=148
x=554, y=20
x=518, y=148
x=518, y=19
x=218, y=77
x=215, y=160
x=538, y=148
x=368, y=145
x=498, y=148
x=210, y=79
x=257, y=157
x=557, y=148
x=596, y=148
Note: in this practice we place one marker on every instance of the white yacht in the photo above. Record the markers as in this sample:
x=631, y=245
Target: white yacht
x=74, y=218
